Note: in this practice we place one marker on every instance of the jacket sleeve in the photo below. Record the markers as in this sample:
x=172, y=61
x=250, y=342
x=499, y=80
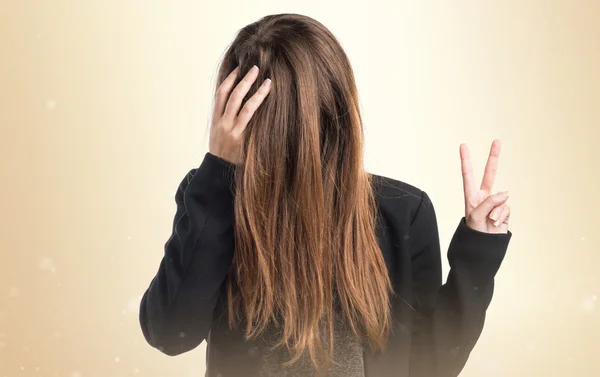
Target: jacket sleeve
x=449, y=318
x=176, y=311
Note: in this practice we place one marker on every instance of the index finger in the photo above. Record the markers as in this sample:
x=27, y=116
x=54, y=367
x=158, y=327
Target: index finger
x=223, y=93
x=469, y=186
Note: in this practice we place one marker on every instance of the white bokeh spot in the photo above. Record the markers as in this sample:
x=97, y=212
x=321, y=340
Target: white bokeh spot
x=492, y=368
x=50, y=104
x=14, y=292
x=133, y=305
x=589, y=303
x=530, y=346
x=46, y=264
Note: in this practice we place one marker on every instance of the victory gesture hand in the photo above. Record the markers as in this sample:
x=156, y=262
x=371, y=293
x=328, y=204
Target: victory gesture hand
x=484, y=211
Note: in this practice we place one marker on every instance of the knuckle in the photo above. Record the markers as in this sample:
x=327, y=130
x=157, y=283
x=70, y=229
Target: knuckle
x=253, y=103
x=263, y=91
x=223, y=90
x=245, y=111
x=226, y=125
x=235, y=135
x=247, y=80
x=228, y=137
x=235, y=95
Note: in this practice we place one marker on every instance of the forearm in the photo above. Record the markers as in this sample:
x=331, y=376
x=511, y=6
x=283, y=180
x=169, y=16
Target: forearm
x=177, y=308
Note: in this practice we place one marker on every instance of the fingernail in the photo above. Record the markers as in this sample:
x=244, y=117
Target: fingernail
x=497, y=223
x=267, y=83
x=504, y=193
x=494, y=215
x=254, y=67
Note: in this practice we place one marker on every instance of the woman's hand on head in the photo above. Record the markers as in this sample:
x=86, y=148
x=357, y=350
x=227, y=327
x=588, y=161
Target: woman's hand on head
x=484, y=211
x=228, y=121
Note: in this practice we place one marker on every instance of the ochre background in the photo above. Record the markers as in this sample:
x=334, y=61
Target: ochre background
x=104, y=108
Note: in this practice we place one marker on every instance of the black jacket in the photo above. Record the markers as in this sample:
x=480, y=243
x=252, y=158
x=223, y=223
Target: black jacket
x=435, y=326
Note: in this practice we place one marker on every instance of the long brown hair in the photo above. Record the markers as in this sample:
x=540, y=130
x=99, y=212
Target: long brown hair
x=305, y=212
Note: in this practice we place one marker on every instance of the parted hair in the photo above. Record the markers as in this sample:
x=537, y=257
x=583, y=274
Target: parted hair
x=305, y=212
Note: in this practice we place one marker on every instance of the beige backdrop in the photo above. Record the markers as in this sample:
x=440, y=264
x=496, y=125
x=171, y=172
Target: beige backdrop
x=104, y=107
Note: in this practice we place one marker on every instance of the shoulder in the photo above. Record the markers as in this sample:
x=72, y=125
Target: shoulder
x=398, y=201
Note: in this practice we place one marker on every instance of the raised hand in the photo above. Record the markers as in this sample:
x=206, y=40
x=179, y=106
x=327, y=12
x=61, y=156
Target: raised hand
x=484, y=211
x=228, y=121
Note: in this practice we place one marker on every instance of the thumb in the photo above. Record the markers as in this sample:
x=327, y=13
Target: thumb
x=480, y=212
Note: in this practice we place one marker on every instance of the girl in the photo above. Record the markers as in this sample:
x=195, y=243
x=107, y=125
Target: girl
x=288, y=258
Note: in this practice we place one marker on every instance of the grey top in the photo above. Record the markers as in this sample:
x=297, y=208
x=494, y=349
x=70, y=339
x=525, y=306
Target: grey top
x=347, y=357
